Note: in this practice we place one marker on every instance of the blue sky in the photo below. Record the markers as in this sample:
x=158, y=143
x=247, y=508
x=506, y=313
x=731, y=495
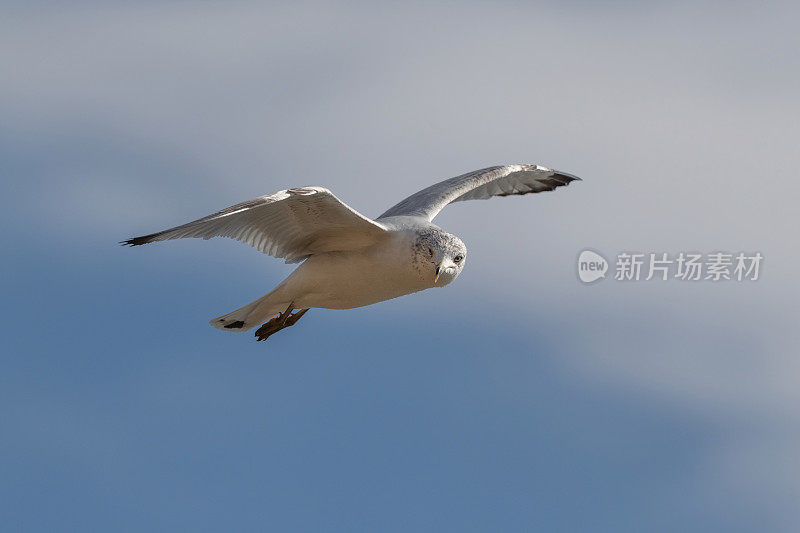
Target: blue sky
x=514, y=399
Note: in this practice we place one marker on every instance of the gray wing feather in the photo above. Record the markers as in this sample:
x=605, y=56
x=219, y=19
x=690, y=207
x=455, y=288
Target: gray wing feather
x=290, y=224
x=481, y=184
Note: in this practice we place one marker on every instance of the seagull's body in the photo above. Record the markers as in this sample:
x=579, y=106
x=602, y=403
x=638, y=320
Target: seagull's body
x=347, y=259
x=355, y=278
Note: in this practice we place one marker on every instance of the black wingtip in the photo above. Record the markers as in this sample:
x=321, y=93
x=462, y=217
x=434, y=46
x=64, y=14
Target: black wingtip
x=565, y=176
x=136, y=241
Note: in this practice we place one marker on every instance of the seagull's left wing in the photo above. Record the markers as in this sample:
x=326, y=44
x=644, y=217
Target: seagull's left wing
x=482, y=184
x=291, y=224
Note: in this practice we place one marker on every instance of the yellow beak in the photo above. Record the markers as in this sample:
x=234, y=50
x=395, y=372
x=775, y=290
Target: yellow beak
x=438, y=270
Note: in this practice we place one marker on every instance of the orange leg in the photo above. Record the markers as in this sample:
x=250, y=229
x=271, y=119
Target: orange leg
x=277, y=323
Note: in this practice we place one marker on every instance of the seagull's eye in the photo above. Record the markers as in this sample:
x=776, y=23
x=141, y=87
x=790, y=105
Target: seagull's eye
x=458, y=258
x=430, y=251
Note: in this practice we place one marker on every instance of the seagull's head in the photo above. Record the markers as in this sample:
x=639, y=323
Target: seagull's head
x=442, y=254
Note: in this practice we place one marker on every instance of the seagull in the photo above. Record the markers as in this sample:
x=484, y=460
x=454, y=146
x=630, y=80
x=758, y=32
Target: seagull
x=346, y=259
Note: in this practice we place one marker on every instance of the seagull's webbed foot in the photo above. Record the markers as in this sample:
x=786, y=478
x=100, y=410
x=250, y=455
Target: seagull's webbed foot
x=277, y=323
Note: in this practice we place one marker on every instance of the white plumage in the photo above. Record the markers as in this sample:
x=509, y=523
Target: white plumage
x=290, y=224
x=347, y=259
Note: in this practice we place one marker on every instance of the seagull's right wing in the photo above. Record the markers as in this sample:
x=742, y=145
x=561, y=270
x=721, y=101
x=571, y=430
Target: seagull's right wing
x=290, y=224
x=482, y=184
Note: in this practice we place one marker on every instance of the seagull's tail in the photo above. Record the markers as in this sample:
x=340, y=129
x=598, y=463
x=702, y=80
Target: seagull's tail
x=252, y=314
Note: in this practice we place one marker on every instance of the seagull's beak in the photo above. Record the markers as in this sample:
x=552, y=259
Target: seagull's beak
x=438, y=271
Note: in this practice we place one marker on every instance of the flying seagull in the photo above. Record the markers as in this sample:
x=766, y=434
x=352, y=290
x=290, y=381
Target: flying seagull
x=348, y=260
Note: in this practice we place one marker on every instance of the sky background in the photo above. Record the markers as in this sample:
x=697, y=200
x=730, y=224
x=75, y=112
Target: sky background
x=515, y=399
